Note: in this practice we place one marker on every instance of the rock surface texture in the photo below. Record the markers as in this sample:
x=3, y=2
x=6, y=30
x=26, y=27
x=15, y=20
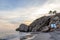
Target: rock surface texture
x=39, y=24
x=22, y=28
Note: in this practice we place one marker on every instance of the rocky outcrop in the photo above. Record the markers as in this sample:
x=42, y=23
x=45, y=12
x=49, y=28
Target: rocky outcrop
x=35, y=26
x=40, y=24
x=22, y=28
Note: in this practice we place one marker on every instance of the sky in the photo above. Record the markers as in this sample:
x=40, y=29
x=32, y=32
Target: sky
x=20, y=11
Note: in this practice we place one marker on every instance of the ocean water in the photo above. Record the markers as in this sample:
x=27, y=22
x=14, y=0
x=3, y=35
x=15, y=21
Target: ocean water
x=11, y=34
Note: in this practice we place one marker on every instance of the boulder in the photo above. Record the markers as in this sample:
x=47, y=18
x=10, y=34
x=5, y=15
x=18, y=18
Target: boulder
x=22, y=28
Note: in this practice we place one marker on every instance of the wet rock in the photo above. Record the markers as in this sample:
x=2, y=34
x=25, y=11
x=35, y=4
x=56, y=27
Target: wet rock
x=22, y=28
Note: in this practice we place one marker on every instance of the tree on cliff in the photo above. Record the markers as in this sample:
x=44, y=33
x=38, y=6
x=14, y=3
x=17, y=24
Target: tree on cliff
x=50, y=12
x=54, y=12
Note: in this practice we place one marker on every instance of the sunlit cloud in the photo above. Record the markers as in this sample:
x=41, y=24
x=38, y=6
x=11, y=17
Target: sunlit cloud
x=29, y=12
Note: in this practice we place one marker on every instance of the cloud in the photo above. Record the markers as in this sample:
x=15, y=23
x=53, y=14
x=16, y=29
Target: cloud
x=29, y=13
x=52, y=5
x=12, y=4
x=18, y=14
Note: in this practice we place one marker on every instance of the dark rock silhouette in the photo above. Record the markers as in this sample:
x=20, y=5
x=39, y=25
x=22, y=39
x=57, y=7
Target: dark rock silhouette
x=40, y=24
x=22, y=28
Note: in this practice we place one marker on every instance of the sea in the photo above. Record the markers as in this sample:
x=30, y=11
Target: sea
x=10, y=33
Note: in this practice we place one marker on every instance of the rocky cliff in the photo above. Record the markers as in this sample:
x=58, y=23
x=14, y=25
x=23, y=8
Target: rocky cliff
x=39, y=24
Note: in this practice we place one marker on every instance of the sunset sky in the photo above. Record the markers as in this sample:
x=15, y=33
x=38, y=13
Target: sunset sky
x=20, y=11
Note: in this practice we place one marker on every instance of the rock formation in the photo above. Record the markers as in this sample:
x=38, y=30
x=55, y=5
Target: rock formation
x=39, y=24
x=22, y=28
